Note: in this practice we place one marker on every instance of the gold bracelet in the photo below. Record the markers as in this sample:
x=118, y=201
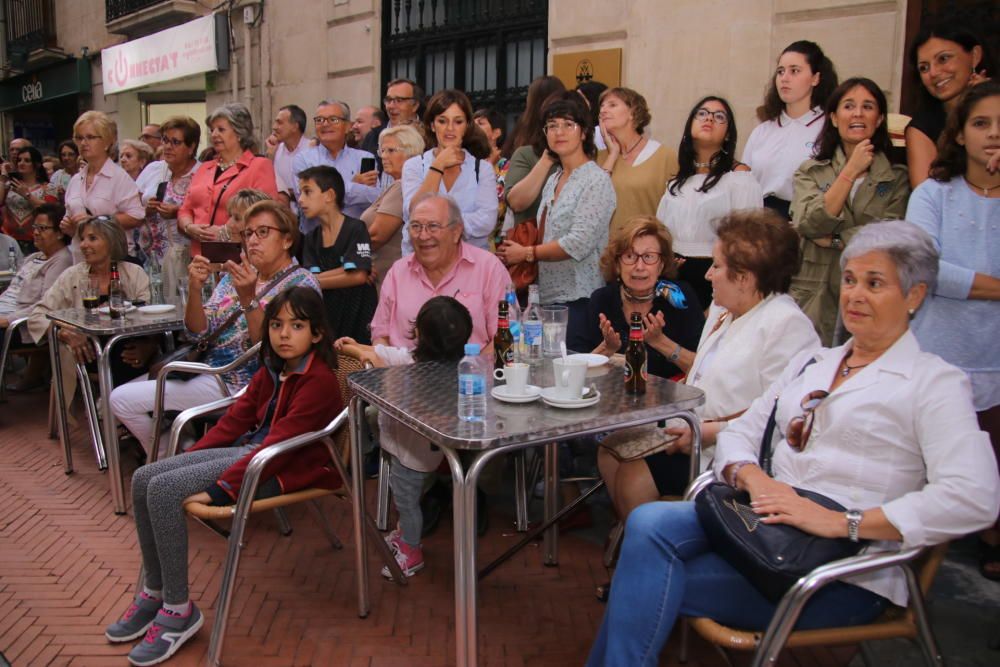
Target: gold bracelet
x=531, y=255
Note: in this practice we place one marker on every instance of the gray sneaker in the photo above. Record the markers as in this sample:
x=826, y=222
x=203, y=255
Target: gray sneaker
x=165, y=636
x=136, y=619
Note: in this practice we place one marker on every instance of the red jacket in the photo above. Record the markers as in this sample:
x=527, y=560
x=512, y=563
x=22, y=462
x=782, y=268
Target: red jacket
x=308, y=400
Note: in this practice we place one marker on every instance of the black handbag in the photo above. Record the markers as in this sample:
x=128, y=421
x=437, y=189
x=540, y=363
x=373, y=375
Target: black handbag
x=771, y=556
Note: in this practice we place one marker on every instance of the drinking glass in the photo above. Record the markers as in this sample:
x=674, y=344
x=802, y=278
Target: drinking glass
x=90, y=292
x=554, y=322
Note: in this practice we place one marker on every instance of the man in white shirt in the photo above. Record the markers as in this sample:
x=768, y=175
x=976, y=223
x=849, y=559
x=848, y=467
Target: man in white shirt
x=333, y=122
x=287, y=132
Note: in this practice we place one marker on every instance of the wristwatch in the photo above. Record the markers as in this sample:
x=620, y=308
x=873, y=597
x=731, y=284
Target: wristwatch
x=836, y=242
x=676, y=354
x=253, y=305
x=853, y=523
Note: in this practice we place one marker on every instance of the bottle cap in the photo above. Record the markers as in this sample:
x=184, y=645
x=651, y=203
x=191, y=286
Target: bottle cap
x=472, y=349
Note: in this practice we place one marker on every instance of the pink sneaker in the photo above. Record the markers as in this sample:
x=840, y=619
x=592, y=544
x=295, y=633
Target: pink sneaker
x=394, y=539
x=410, y=559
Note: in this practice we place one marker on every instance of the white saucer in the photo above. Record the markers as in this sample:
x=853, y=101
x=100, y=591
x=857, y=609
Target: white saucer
x=593, y=360
x=501, y=393
x=157, y=309
x=128, y=309
x=550, y=398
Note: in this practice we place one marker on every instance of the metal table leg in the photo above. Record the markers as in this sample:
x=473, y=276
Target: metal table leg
x=521, y=490
x=465, y=562
x=110, y=428
x=551, y=502
x=57, y=380
x=357, y=419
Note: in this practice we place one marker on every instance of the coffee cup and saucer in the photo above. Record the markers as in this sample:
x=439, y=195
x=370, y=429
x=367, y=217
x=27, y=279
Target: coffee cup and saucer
x=568, y=392
x=516, y=388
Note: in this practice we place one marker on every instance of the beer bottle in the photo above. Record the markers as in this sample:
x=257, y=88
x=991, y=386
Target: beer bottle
x=635, y=358
x=116, y=299
x=503, y=341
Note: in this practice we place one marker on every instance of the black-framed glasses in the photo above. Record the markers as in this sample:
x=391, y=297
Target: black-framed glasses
x=397, y=100
x=648, y=258
x=332, y=120
x=41, y=228
x=176, y=143
x=800, y=428
x=261, y=232
x=719, y=117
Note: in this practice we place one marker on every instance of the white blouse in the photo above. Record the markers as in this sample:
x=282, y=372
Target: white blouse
x=777, y=147
x=476, y=195
x=691, y=216
x=900, y=434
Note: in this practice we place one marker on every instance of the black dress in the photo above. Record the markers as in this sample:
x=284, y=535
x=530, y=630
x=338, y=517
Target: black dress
x=683, y=325
x=349, y=310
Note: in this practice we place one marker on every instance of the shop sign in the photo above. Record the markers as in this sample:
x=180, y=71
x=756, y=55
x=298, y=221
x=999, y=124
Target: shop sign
x=604, y=65
x=171, y=54
x=67, y=78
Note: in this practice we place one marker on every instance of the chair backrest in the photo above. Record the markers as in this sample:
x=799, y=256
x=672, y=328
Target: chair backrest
x=345, y=366
x=928, y=566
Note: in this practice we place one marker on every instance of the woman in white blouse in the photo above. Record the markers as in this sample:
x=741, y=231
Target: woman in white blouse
x=791, y=119
x=456, y=165
x=877, y=425
x=709, y=184
x=753, y=328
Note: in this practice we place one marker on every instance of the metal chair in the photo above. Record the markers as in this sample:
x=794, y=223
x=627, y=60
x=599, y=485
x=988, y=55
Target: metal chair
x=8, y=339
x=199, y=369
x=920, y=565
x=334, y=432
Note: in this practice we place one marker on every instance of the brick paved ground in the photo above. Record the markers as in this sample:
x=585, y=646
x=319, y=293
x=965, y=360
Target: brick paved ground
x=68, y=564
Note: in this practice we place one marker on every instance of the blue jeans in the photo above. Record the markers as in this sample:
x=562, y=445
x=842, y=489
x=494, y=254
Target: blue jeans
x=667, y=569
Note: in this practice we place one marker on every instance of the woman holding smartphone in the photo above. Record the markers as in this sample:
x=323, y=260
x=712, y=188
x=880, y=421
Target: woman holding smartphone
x=21, y=192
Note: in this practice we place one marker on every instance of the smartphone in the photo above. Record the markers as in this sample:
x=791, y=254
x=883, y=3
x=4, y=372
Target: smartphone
x=161, y=191
x=219, y=252
x=367, y=164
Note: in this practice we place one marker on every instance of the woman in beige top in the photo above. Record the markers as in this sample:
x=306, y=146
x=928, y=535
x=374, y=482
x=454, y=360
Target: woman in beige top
x=385, y=216
x=639, y=165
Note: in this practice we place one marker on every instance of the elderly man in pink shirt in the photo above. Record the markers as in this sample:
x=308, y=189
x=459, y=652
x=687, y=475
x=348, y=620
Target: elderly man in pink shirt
x=442, y=264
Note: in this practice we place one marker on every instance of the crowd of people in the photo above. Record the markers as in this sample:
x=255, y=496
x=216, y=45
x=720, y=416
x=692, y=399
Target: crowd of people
x=392, y=234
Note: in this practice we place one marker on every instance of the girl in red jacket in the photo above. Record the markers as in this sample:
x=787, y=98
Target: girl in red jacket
x=294, y=392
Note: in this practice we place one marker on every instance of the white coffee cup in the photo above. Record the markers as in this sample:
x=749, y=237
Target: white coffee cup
x=515, y=376
x=569, y=374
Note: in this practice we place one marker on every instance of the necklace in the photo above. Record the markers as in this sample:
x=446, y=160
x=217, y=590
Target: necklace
x=637, y=298
x=224, y=166
x=848, y=368
x=986, y=191
x=702, y=165
x=634, y=146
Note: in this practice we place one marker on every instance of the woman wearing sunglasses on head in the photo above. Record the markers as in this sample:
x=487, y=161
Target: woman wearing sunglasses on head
x=877, y=425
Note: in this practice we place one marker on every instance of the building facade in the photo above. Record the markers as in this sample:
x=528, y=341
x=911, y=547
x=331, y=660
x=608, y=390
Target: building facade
x=302, y=51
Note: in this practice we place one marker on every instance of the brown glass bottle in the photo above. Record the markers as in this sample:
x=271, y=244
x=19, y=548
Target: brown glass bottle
x=503, y=341
x=635, y=357
x=116, y=304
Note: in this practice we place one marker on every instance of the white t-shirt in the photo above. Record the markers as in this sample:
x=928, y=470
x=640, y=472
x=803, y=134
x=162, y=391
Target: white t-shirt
x=691, y=216
x=777, y=147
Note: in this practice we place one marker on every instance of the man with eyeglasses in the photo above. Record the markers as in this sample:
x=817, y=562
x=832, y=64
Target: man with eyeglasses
x=151, y=135
x=402, y=105
x=333, y=122
x=442, y=264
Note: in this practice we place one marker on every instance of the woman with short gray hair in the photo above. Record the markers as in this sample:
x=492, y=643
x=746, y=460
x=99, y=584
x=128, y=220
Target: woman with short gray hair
x=234, y=168
x=877, y=425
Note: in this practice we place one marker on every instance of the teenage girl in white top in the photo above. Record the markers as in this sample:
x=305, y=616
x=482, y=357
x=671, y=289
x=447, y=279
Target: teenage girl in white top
x=791, y=118
x=709, y=184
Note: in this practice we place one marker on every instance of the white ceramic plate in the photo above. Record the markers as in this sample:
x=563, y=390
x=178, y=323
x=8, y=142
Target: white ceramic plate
x=551, y=398
x=157, y=309
x=128, y=308
x=593, y=360
x=501, y=393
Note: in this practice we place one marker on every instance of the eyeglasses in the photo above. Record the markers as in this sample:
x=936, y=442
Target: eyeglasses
x=397, y=100
x=147, y=137
x=800, y=428
x=261, y=232
x=385, y=152
x=432, y=228
x=88, y=137
x=41, y=228
x=564, y=126
x=176, y=143
x=648, y=258
x=332, y=120
x=719, y=117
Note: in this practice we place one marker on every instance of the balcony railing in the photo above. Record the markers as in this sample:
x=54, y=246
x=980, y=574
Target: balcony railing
x=116, y=9
x=31, y=25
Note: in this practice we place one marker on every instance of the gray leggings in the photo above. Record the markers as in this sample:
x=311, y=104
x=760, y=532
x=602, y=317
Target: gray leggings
x=158, y=489
x=407, y=487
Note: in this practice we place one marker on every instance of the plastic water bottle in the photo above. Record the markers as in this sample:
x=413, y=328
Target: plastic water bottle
x=155, y=281
x=471, y=386
x=531, y=325
x=514, y=321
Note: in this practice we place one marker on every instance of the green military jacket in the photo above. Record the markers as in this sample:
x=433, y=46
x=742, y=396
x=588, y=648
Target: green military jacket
x=882, y=196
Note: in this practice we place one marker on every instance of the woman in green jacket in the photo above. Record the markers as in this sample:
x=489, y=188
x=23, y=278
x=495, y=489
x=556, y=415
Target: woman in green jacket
x=849, y=183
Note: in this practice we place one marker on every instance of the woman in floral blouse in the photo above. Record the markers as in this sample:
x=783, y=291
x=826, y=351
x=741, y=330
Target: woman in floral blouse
x=22, y=190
